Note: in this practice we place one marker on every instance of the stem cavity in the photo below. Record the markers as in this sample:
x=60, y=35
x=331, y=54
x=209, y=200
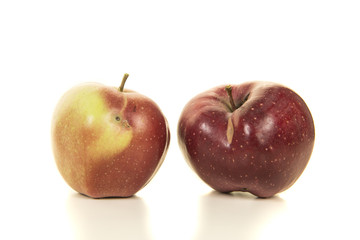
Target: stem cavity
x=233, y=106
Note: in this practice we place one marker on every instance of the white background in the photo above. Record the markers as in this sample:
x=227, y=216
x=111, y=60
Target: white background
x=174, y=50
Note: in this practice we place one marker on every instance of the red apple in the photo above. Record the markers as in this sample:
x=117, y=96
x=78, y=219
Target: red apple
x=255, y=137
x=108, y=142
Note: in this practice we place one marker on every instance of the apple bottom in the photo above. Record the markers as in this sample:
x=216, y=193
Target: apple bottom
x=263, y=174
x=120, y=176
x=259, y=169
x=113, y=180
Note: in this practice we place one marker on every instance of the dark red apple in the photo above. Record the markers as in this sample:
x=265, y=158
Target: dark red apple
x=256, y=137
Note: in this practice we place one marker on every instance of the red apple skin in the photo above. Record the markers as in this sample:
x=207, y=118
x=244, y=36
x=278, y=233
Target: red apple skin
x=262, y=147
x=98, y=166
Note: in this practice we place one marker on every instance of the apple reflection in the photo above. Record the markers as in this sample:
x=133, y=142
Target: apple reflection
x=109, y=218
x=235, y=215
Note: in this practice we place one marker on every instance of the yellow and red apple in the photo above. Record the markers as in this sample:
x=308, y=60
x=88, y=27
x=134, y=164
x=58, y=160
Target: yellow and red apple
x=107, y=141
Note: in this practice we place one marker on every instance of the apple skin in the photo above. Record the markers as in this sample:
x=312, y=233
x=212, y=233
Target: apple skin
x=108, y=143
x=262, y=147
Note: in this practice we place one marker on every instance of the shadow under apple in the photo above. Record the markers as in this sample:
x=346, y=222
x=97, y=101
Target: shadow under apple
x=236, y=215
x=108, y=218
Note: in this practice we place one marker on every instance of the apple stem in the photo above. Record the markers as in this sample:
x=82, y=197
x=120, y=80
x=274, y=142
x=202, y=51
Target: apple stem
x=228, y=89
x=121, y=88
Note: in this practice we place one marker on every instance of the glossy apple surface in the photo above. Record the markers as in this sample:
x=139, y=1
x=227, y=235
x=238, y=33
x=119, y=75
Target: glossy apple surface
x=107, y=142
x=261, y=144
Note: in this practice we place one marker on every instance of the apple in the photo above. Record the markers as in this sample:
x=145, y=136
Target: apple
x=255, y=137
x=107, y=141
